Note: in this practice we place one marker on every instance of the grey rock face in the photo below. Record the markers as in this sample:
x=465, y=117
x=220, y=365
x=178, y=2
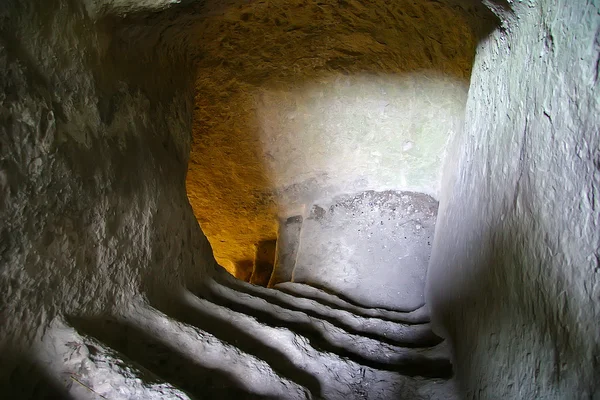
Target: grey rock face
x=518, y=231
x=93, y=210
x=372, y=248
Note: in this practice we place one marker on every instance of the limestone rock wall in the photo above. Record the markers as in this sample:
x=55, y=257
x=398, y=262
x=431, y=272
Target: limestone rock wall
x=95, y=124
x=514, y=275
x=298, y=101
x=371, y=248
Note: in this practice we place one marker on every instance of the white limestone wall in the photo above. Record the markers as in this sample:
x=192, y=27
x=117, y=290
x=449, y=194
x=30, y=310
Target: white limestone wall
x=371, y=249
x=514, y=278
x=348, y=134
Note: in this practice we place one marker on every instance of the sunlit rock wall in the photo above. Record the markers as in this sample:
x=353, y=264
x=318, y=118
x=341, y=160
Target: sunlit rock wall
x=371, y=249
x=345, y=135
x=93, y=156
x=301, y=100
x=515, y=276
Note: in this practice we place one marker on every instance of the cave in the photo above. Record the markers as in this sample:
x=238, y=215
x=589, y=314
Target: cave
x=297, y=199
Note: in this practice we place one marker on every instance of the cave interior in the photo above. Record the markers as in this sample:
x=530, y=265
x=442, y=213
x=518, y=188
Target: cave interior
x=300, y=199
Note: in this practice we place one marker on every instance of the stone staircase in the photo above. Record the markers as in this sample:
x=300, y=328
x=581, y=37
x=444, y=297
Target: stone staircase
x=298, y=338
x=232, y=339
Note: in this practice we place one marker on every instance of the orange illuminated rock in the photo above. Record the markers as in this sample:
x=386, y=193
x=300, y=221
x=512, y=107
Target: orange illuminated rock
x=297, y=100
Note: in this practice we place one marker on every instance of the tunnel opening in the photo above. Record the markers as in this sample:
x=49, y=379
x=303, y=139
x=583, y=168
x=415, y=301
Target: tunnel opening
x=303, y=106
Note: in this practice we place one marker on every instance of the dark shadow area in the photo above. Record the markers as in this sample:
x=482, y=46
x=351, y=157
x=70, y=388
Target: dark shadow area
x=235, y=336
x=244, y=269
x=162, y=359
x=264, y=260
x=23, y=378
x=412, y=365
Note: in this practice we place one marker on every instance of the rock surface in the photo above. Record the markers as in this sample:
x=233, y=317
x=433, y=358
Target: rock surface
x=518, y=231
x=298, y=101
x=105, y=273
x=105, y=276
x=93, y=156
x=288, y=241
x=371, y=248
x=264, y=260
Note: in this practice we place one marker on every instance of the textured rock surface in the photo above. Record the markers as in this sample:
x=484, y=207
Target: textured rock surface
x=93, y=155
x=298, y=101
x=518, y=232
x=264, y=260
x=97, y=237
x=90, y=370
x=371, y=248
x=235, y=340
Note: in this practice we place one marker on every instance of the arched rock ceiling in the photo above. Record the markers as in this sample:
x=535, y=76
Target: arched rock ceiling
x=249, y=50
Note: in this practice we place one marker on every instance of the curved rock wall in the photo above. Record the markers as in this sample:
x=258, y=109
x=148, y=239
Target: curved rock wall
x=94, y=143
x=371, y=249
x=514, y=275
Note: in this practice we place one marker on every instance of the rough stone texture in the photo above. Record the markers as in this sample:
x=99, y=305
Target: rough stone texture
x=420, y=315
x=327, y=349
x=244, y=270
x=288, y=240
x=371, y=248
x=98, y=240
x=235, y=340
x=90, y=370
x=95, y=116
x=93, y=156
x=298, y=101
x=515, y=273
